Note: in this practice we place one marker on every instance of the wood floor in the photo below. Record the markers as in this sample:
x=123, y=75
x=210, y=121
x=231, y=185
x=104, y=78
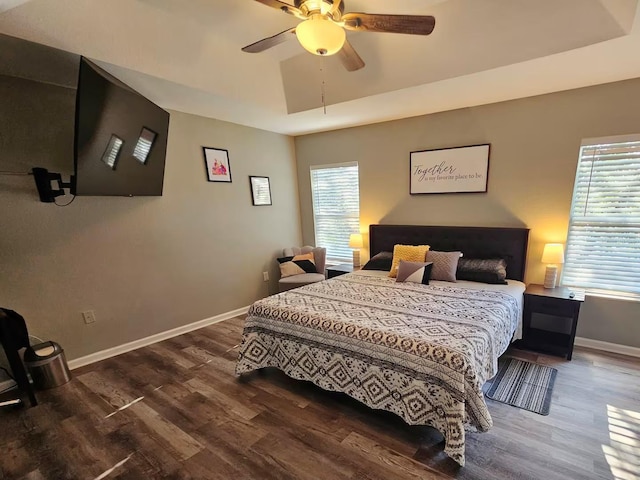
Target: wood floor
x=175, y=410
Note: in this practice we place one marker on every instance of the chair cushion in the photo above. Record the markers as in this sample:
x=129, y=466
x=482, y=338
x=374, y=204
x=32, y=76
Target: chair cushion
x=301, y=280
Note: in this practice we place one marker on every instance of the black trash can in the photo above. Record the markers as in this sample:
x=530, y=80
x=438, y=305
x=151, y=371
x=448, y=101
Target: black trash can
x=47, y=365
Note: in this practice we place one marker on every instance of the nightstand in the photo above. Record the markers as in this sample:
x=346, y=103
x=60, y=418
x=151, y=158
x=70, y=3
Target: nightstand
x=337, y=270
x=550, y=319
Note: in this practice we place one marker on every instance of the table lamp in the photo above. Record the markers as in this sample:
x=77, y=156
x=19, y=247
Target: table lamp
x=552, y=255
x=355, y=242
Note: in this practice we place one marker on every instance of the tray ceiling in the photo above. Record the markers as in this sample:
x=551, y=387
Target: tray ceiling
x=186, y=55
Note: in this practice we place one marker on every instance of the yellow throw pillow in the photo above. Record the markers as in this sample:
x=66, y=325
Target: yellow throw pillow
x=408, y=253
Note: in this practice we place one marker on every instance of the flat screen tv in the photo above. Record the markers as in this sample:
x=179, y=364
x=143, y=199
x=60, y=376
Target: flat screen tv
x=120, y=137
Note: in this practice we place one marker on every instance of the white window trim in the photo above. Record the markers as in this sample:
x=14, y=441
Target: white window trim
x=333, y=165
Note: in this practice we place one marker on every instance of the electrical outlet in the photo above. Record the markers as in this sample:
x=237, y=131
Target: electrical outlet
x=265, y=276
x=89, y=316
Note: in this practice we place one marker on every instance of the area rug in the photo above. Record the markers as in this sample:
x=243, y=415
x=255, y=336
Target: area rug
x=524, y=385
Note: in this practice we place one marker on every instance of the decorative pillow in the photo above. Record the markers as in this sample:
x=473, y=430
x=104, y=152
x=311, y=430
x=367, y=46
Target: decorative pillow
x=297, y=265
x=491, y=270
x=444, y=265
x=408, y=253
x=414, y=272
x=381, y=261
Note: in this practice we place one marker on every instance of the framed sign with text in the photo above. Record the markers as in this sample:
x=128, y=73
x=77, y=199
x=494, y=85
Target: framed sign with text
x=260, y=190
x=450, y=170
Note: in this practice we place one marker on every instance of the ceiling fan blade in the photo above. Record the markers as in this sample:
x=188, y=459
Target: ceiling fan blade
x=265, y=43
x=350, y=58
x=285, y=7
x=412, y=24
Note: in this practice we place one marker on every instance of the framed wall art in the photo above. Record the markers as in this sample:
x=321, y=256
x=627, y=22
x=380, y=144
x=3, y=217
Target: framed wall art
x=450, y=170
x=216, y=161
x=260, y=190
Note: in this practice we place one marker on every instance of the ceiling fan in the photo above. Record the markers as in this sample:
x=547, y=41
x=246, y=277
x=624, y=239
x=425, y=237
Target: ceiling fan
x=322, y=31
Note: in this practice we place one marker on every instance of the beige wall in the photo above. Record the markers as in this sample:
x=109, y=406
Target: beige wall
x=144, y=265
x=534, y=153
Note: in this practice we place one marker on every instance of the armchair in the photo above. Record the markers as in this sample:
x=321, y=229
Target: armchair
x=295, y=281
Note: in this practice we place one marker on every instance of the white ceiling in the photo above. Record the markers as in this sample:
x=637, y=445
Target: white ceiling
x=185, y=55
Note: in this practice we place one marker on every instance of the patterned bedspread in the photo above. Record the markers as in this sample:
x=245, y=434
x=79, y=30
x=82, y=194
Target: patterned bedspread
x=422, y=352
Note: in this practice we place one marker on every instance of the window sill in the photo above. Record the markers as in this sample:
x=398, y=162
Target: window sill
x=629, y=297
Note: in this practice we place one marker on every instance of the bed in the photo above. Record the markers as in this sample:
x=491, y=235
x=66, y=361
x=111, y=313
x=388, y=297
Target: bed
x=422, y=352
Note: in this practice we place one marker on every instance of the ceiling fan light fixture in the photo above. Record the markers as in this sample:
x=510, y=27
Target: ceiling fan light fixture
x=321, y=36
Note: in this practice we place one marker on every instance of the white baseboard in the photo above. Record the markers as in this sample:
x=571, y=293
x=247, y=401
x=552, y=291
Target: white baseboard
x=608, y=347
x=158, y=337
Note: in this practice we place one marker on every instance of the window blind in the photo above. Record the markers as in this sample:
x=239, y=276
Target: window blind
x=336, y=208
x=603, y=244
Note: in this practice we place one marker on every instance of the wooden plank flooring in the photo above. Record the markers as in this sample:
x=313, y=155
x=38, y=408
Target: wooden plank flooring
x=175, y=410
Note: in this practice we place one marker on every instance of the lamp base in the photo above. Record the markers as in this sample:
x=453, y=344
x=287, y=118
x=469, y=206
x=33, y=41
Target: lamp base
x=550, y=276
x=356, y=258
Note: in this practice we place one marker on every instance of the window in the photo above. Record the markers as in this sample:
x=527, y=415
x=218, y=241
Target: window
x=336, y=207
x=603, y=245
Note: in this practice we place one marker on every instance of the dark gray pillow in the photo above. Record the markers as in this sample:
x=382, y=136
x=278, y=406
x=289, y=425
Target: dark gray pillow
x=490, y=270
x=382, y=261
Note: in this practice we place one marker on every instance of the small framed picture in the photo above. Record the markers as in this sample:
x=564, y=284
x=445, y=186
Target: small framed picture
x=260, y=190
x=216, y=161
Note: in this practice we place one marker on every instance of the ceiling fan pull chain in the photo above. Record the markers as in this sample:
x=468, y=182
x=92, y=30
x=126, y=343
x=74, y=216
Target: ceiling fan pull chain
x=324, y=104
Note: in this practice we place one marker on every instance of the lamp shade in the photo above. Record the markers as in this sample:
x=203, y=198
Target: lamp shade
x=321, y=36
x=355, y=240
x=553, y=253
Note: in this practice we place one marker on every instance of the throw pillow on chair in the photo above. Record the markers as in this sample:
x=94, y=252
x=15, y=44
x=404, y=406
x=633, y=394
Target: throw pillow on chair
x=297, y=265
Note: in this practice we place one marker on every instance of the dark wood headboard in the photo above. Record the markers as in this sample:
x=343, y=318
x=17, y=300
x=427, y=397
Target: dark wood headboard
x=473, y=242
